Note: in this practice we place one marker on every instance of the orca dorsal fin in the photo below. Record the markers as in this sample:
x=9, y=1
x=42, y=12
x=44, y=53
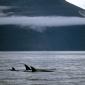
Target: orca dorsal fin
x=13, y=69
x=33, y=69
x=27, y=67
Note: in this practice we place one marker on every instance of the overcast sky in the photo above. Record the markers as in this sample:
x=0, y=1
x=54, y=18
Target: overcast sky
x=79, y=3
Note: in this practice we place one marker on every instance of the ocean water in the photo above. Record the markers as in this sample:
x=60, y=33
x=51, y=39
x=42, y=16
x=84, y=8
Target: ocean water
x=68, y=68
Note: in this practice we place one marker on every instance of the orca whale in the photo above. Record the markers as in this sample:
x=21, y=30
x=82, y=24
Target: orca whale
x=40, y=70
x=13, y=69
x=27, y=67
x=31, y=69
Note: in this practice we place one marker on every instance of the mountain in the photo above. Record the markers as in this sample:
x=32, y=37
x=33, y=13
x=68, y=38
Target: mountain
x=41, y=7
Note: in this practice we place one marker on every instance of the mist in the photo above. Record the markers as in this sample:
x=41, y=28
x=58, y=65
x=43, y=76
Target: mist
x=41, y=22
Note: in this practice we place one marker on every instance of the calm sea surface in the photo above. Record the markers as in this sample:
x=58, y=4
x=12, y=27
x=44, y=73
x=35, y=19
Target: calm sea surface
x=68, y=68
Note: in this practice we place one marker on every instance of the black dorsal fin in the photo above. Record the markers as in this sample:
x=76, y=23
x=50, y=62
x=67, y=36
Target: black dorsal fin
x=13, y=69
x=27, y=67
x=33, y=69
